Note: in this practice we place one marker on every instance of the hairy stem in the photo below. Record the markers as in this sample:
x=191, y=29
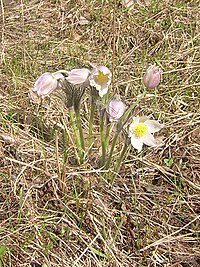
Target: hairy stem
x=79, y=124
x=120, y=126
x=92, y=111
x=78, y=141
x=120, y=159
x=103, y=141
x=111, y=150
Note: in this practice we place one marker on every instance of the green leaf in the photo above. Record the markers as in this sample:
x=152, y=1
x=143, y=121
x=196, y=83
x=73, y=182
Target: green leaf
x=98, y=253
x=3, y=250
x=168, y=162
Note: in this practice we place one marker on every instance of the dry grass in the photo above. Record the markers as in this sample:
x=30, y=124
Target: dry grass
x=150, y=215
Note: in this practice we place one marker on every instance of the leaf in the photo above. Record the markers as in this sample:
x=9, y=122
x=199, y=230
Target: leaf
x=3, y=250
x=168, y=162
x=99, y=253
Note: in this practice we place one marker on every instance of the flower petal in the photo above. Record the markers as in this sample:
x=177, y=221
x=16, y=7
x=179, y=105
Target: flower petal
x=100, y=78
x=136, y=120
x=136, y=143
x=149, y=140
x=152, y=76
x=144, y=118
x=105, y=70
x=46, y=90
x=103, y=92
x=115, y=109
x=45, y=84
x=153, y=126
x=58, y=75
x=78, y=76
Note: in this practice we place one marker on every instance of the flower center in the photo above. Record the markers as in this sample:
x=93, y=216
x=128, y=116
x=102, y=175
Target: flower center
x=101, y=77
x=140, y=130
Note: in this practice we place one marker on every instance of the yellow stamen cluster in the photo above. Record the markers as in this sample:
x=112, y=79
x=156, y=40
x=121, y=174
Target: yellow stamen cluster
x=140, y=130
x=101, y=77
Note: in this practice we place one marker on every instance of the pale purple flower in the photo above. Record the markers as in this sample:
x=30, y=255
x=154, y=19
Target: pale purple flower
x=152, y=77
x=78, y=77
x=115, y=109
x=141, y=132
x=100, y=78
x=47, y=83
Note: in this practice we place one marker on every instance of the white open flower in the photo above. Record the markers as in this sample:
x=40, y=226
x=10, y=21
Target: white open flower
x=47, y=83
x=79, y=77
x=100, y=78
x=141, y=132
x=115, y=109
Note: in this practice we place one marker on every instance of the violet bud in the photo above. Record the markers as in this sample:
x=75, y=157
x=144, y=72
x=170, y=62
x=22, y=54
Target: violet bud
x=152, y=77
x=115, y=109
x=47, y=83
x=78, y=77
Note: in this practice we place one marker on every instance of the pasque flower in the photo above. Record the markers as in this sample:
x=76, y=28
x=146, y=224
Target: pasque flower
x=47, y=83
x=141, y=132
x=115, y=109
x=78, y=77
x=152, y=77
x=100, y=78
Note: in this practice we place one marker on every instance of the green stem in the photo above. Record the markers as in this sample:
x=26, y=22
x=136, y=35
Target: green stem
x=108, y=129
x=111, y=150
x=79, y=124
x=119, y=127
x=91, y=126
x=103, y=141
x=78, y=141
x=120, y=159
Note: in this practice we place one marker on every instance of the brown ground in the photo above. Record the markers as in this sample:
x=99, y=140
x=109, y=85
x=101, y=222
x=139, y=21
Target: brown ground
x=150, y=214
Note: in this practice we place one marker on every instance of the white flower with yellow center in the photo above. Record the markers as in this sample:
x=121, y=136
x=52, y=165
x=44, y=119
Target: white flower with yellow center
x=100, y=78
x=141, y=132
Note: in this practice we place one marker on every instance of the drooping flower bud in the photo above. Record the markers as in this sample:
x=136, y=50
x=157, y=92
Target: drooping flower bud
x=78, y=77
x=100, y=78
x=115, y=109
x=152, y=77
x=47, y=83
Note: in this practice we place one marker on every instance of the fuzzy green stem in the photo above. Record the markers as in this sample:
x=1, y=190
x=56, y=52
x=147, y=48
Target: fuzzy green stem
x=108, y=129
x=120, y=159
x=79, y=124
x=92, y=111
x=120, y=126
x=103, y=141
x=80, y=129
x=111, y=150
x=78, y=141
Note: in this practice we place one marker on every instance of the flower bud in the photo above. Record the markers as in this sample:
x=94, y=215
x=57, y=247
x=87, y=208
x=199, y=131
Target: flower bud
x=152, y=77
x=79, y=77
x=115, y=110
x=47, y=83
